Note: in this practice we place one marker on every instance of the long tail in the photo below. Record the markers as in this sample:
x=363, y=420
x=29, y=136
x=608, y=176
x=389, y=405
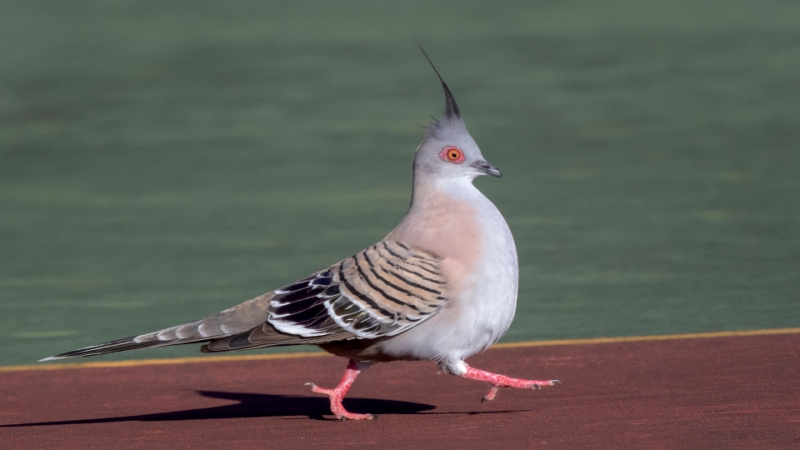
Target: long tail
x=161, y=338
x=230, y=322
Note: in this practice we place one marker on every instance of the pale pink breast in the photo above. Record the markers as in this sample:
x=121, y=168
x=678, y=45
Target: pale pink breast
x=450, y=229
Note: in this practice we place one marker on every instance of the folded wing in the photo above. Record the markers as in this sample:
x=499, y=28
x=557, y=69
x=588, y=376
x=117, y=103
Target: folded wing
x=381, y=291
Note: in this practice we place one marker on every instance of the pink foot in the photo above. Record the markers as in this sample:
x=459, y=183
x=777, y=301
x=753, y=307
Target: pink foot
x=337, y=394
x=499, y=381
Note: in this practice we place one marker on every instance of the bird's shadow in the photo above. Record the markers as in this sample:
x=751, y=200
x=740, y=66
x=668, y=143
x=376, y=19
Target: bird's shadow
x=256, y=405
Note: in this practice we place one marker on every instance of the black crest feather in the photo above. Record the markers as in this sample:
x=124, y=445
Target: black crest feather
x=450, y=107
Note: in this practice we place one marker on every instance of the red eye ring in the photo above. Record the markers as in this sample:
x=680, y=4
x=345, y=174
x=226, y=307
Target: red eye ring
x=452, y=154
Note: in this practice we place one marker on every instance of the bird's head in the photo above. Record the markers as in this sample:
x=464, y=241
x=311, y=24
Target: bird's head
x=448, y=151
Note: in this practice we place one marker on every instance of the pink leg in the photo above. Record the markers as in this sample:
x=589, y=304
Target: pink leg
x=337, y=394
x=499, y=381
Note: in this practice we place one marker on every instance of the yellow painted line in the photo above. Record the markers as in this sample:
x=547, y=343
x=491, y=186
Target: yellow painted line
x=658, y=337
x=207, y=359
x=161, y=362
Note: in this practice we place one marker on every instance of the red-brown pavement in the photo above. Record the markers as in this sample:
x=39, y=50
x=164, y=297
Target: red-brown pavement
x=732, y=392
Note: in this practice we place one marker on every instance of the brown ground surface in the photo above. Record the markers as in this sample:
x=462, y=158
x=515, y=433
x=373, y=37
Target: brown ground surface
x=739, y=392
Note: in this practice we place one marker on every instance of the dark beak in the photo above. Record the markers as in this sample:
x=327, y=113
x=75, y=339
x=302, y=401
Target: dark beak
x=487, y=169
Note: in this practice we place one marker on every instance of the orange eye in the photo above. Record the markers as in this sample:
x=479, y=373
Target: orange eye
x=452, y=154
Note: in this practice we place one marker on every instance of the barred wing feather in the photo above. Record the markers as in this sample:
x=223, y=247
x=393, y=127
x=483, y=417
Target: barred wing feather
x=381, y=291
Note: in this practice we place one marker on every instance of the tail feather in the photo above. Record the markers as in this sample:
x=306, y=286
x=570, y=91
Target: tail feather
x=230, y=322
x=163, y=338
x=120, y=345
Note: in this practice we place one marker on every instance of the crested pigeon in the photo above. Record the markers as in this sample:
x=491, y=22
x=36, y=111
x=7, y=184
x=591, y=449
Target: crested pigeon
x=441, y=286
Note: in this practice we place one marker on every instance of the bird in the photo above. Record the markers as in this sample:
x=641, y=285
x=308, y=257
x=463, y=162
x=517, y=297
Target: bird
x=441, y=286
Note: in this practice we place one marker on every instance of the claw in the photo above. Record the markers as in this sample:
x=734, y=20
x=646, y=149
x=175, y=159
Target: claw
x=491, y=394
x=556, y=381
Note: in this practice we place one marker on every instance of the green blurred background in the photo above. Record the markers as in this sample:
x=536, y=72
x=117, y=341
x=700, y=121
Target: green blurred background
x=161, y=161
